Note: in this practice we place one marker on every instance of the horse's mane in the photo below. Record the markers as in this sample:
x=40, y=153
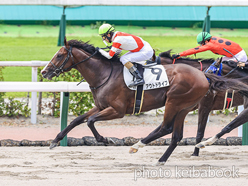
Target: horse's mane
x=90, y=49
x=167, y=54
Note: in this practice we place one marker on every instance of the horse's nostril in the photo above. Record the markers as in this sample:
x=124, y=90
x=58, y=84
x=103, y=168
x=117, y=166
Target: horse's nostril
x=43, y=72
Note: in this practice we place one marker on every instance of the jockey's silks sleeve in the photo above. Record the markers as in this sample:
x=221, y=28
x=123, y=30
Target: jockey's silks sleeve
x=124, y=41
x=217, y=46
x=105, y=54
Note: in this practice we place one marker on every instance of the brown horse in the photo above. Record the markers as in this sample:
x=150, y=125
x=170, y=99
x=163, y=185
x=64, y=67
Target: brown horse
x=213, y=100
x=113, y=99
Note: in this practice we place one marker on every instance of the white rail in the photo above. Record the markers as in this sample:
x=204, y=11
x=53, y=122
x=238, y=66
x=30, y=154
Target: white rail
x=35, y=86
x=23, y=63
x=61, y=86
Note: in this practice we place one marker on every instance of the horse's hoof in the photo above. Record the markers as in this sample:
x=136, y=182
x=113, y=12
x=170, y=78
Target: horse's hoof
x=159, y=163
x=110, y=141
x=195, y=155
x=133, y=150
x=53, y=145
x=200, y=146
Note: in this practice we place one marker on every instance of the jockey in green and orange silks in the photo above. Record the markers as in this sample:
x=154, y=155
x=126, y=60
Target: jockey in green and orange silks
x=220, y=46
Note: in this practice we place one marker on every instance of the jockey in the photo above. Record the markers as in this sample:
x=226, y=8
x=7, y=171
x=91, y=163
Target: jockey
x=139, y=50
x=229, y=49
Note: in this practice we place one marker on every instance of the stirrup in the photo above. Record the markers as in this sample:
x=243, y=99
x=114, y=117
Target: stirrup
x=137, y=83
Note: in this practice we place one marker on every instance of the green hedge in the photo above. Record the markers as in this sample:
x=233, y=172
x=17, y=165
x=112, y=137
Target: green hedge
x=80, y=102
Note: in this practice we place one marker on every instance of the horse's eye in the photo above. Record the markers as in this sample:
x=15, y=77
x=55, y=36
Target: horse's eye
x=59, y=56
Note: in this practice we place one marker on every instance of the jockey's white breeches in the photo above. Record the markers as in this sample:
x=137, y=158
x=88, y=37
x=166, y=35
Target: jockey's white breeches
x=144, y=54
x=241, y=56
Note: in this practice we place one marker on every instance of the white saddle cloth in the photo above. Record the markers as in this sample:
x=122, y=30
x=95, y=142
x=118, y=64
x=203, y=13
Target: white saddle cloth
x=155, y=77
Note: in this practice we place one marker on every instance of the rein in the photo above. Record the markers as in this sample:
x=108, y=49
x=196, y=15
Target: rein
x=59, y=70
x=174, y=60
x=230, y=71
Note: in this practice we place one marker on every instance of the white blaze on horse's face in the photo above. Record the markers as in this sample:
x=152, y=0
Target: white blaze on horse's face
x=44, y=69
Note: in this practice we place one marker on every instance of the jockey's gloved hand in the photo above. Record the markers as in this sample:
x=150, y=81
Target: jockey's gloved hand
x=241, y=64
x=175, y=56
x=97, y=49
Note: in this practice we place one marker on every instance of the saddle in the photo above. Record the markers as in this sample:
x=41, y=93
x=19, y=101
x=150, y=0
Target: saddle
x=215, y=69
x=155, y=77
x=155, y=60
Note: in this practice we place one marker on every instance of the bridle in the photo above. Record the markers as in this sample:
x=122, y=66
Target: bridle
x=60, y=69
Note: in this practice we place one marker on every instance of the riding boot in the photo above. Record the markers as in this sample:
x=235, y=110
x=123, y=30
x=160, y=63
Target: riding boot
x=134, y=71
x=139, y=79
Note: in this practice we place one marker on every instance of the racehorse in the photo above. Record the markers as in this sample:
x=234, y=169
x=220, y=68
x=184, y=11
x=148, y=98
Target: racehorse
x=213, y=100
x=113, y=99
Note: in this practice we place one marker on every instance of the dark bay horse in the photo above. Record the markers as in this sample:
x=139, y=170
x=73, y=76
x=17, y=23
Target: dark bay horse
x=213, y=100
x=113, y=99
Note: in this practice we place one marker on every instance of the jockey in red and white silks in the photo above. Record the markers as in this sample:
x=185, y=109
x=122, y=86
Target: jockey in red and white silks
x=139, y=50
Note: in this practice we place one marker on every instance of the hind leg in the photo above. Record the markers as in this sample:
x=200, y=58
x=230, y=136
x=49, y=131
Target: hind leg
x=177, y=135
x=165, y=128
x=204, y=109
x=157, y=133
x=239, y=120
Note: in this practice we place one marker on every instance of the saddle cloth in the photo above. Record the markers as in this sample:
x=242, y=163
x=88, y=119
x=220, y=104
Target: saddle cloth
x=155, y=77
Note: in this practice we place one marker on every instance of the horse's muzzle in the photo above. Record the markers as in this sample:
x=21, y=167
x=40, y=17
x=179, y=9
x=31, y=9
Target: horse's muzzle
x=46, y=74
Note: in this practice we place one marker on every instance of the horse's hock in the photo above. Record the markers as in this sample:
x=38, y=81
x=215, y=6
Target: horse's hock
x=127, y=141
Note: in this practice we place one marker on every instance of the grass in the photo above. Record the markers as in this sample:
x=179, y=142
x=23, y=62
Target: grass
x=37, y=42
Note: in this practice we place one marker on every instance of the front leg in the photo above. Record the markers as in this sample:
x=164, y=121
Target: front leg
x=106, y=114
x=74, y=123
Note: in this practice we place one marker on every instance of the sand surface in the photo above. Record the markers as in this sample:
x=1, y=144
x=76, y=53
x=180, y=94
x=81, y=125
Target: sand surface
x=109, y=165
x=106, y=166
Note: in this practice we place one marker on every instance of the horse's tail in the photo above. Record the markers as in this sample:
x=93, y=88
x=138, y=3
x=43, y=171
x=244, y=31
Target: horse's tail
x=220, y=83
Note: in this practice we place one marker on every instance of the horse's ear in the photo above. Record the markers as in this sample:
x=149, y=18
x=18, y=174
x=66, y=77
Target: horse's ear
x=65, y=42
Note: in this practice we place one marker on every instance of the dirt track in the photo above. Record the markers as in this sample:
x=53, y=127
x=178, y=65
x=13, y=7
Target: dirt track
x=39, y=166
x=100, y=165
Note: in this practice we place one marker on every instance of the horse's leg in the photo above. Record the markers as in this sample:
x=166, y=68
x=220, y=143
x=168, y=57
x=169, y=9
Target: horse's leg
x=165, y=128
x=204, y=109
x=177, y=135
x=106, y=114
x=157, y=133
x=74, y=123
x=239, y=120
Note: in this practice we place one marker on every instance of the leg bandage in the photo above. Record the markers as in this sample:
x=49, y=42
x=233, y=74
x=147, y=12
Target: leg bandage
x=138, y=145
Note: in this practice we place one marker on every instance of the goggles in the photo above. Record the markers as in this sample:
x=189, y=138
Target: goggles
x=104, y=37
